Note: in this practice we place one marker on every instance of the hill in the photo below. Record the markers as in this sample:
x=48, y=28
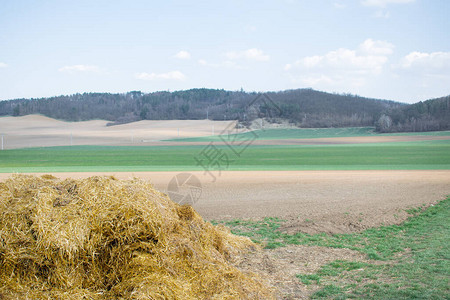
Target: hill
x=302, y=107
x=41, y=131
x=305, y=107
x=430, y=115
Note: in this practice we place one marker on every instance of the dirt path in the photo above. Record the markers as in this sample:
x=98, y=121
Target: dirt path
x=310, y=201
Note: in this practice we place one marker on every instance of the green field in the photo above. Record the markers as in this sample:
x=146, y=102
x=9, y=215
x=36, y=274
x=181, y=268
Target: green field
x=382, y=156
x=409, y=261
x=308, y=133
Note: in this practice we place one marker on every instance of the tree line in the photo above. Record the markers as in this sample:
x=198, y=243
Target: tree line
x=430, y=115
x=302, y=107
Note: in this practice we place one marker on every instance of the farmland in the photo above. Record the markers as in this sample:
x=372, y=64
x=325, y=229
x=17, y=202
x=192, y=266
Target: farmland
x=334, y=202
x=376, y=156
x=307, y=133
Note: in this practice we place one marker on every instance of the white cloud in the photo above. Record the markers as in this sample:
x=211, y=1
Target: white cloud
x=372, y=47
x=423, y=60
x=3, y=65
x=79, y=68
x=312, y=61
x=249, y=54
x=172, y=75
x=369, y=58
x=183, y=55
x=350, y=68
x=428, y=73
x=384, y=3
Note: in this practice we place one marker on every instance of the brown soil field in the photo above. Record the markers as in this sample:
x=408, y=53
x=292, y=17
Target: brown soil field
x=41, y=131
x=311, y=202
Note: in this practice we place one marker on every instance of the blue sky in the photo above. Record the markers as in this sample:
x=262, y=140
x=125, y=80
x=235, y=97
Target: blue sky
x=390, y=49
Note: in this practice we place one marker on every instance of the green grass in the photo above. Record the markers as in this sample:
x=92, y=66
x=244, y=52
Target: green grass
x=294, y=133
x=335, y=268
x=306, y=133
x=415, y=257
x=388, y=156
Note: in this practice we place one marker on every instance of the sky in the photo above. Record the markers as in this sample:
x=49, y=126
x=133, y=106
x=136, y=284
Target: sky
x=388, y=49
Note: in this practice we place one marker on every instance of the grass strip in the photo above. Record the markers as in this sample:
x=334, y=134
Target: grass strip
x=406, y=156
x=415, y=256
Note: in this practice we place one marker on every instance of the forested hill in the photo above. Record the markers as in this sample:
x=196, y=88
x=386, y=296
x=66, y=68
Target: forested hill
x=304, y=107
x=430, y=115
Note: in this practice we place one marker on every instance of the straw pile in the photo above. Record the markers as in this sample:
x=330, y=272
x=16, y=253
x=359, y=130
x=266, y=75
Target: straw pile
x=103, y=238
